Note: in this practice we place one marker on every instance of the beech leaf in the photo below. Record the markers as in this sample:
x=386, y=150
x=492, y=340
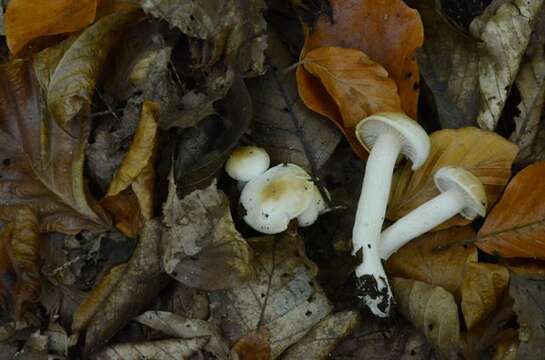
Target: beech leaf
x=157, y=350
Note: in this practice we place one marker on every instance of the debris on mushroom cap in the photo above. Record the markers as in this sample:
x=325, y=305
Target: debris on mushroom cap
x=470, y=185
x=279, y=195
x=247, y=162
x=415, y=142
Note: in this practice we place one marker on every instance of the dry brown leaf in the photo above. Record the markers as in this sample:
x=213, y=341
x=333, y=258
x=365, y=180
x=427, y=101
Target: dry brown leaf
x=283, y=298
x=506, y=349
x=357, y=85
x=254, y=346
x=25, y=22
x=42, y=166
x=432, y=310
x=157, y=350
x=125, y=212
x=485, y=154
x=515, y=227
x=388, y=31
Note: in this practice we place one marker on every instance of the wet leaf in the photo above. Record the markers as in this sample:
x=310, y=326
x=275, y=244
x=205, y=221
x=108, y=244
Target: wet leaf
x=138, y=286
x=282, y=124
x=157, y=350
x=254, y=346
x=324, y=337
x=200, y=246
x=514, y=227
x=357, y=87
x=388, y=32
x=284, y=297
x=24, y=23
x=72, y=85
x=528, y=290
x=504, y=30
x=42, y=166
x=432, y=310
x=485, y=154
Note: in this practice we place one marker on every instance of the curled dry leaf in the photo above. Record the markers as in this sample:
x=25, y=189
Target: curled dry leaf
x=255, y=346
x=356, y=85
x=42, y=165
x=485, y=154
x=157, y=350
x=283, y=298
x=504, y=29
x=200, y=246
x=24, y=22
x=72, y=84
x=324, y=337
x=514, y=228
x=282, y=124
x=432, y=310
x=388, y=32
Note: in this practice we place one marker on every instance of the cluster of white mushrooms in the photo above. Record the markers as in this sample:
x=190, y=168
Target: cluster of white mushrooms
x=273, y=197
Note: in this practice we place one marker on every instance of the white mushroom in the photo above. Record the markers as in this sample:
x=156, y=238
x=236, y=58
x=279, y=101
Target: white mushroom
x=284, y=192
x=247, y=162
x=461, y=193
x=388, y=135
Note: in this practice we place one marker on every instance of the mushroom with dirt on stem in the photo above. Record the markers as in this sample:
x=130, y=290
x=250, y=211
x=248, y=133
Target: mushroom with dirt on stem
x=246, y=163
x=387, y=136
x=461, y=193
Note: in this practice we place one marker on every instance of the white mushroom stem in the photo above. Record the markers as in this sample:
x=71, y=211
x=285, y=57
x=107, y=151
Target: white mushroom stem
x=369, y=219
x=421, y=220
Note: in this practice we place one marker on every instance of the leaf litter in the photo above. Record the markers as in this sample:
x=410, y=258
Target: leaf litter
x=123, y=238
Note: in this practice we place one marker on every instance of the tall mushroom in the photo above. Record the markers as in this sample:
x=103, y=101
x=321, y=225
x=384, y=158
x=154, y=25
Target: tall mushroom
x=461, y=193
x=387, y=136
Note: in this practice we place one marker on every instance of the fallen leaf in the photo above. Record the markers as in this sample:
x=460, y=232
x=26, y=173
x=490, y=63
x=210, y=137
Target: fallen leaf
x=24, y=23
x=42, y=166
x=157, y=350
x=183, y=300
x=200, y=245
x=282, y=124
x=506, y=349
x=324, y=337
x=528, y=290
x=388, y=32
x=432, y=310
x=504, y=30
x=180, y=327
x=72, y=84
x=357, y=85
x=254, y=346
x=485, y=154
x=283, y=297
x=514, y=227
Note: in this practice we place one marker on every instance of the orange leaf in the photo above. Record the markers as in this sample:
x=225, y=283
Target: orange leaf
x=356, y=86
x=516, y=225
x=388, y=31
x=254, y=346
x=25, y=22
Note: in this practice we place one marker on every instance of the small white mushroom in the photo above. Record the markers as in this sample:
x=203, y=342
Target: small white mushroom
x=388, y=135
x=461, y=193
x=284, y=192
x=247, y=162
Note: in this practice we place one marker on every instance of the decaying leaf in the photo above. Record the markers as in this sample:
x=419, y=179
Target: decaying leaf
x=514, y=228
x=504, y=30
x=24, y=23
x=432, y=310
x=485, y=154
x=283, y=298
x=388, y=32
x=200, y=245
x=73, y=82
x=319, y=342
x=184, y=301
x=256, y=345
x=528, y=290
x=282, y=124
x=42, y=165
x=157, y=350
x=138, y=285
x=357, y=87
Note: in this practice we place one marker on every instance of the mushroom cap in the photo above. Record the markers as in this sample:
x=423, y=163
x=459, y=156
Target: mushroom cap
x=316, y=208
x=415, y=142
x=272, y=199
x=247, y=162
x=474, y=194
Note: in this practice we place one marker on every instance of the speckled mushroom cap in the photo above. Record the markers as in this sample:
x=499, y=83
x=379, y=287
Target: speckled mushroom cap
x=415, y=142
x=272, y=199
x=247, y=162
x=474, y=194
